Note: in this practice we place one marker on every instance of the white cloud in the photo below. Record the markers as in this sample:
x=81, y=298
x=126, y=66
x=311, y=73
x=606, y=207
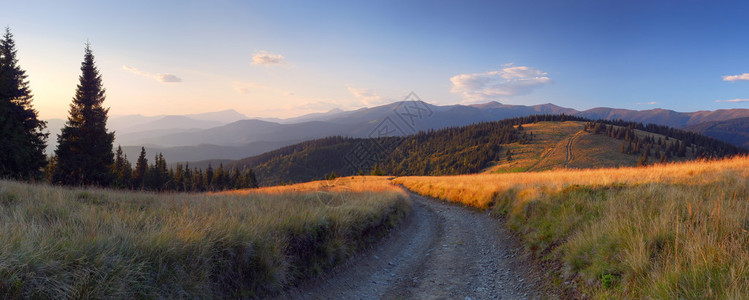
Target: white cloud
x=504, y=83
x=266, y=58
x=160, y=77
x=744, y=76
x=366, y=96
x=733, y=100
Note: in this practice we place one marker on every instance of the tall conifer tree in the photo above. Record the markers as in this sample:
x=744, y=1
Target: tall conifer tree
x=84, y=150
x=141, y=167
x=22, y=141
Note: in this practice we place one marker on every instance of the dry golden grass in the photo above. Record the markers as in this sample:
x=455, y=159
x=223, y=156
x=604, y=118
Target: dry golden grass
x=546, y=151
x=670, y=231
x=373, y=184
x=598, y=151
x=73, y=243
x=479, y=190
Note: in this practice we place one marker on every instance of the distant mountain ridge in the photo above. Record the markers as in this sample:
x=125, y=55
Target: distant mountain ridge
x=227, y=134
x=734, y=131
x=498, y=146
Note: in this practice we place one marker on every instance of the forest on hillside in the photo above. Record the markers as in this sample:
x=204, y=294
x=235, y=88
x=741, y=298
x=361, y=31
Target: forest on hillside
x=451, y=151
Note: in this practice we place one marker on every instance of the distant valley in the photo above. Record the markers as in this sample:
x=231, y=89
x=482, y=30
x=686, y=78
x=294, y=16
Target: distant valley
x=230, y=135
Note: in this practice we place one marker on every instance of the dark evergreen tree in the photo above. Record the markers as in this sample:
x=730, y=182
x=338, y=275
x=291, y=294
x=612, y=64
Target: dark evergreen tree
x=122, y=170
x=207, y=182
x=157, y=176
x=198, y=180
x=250, y=179
x=141, y=167
x=236, y=179
x=22, y=141
x=187, y=183
x=84, y=150
x=179, y=178
x=218, y=180
x=643, y=160
x=49, y=169
x=376, y=171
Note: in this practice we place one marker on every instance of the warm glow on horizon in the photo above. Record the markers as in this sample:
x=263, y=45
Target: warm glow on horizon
x=271, y=60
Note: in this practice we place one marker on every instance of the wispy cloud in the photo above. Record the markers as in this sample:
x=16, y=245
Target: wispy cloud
x=647, y=103
x=366, y=96
x=317, y=105
x=504, y=83
x=744, y=76
x=160, y=77
x=245, y=87
x=266, y=58
x=733, y=100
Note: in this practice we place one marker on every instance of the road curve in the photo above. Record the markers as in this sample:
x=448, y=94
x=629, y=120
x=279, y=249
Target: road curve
x=441, y=251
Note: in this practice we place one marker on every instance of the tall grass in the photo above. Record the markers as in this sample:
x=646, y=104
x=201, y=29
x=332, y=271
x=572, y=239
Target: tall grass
x=88, y=243
x=668, y=231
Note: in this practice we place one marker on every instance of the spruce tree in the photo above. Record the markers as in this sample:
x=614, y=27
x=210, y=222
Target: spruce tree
x=179, y=178
x=122, y=169
x=188, y=178
x=208, y=177
x=218, y=180
x=141, y=167
x=22, y=141
x=250, y=179
x=84, y=150
x=236, y=179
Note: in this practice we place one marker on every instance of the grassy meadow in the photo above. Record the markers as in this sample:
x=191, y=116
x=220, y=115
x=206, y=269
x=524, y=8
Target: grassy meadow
x=677, y=230
x=548, y=150
x=86, y=243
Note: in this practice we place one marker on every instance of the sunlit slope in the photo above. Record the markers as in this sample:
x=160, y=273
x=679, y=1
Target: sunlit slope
x=666, y=231
x=560, y=145
x=63, y=243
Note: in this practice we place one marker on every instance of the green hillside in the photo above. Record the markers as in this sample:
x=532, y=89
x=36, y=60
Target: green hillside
x=534, y=143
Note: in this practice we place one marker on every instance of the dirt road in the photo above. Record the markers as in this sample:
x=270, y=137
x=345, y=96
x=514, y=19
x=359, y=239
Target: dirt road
x=441, y=251
x=569, y=148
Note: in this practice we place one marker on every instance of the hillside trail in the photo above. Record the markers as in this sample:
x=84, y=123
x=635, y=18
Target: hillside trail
x=569, y=148
x=440, y=251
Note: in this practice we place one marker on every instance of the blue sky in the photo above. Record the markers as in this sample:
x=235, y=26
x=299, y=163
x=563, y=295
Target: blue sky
x=283, y=58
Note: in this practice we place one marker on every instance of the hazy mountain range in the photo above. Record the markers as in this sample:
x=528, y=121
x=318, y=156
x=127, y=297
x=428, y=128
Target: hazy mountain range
x=231, y=135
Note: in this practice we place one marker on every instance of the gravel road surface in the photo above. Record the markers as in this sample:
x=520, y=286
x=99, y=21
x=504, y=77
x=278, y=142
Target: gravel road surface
x=441, y=251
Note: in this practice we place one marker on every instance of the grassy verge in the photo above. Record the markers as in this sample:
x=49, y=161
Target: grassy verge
x=669, y=231
x=61, y=243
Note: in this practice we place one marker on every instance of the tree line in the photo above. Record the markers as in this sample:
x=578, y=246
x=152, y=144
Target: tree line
x=448, y=151
x=674, y=143
x=84, y=155
x=157, y=177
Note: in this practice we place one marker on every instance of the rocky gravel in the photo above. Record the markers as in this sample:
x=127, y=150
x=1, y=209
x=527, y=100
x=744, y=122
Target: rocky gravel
x=440, y=251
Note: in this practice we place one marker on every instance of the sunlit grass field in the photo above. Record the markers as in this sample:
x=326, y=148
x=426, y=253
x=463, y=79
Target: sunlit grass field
x=548, y=150
x=666, y=231
x=62, y=243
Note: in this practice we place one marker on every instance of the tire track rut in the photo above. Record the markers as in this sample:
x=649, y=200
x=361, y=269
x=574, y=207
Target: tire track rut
x=569, y=148
x=441, y=251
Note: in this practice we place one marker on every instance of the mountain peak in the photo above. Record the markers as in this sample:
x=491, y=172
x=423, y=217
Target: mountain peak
x=487, y=105
x=223, y=116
